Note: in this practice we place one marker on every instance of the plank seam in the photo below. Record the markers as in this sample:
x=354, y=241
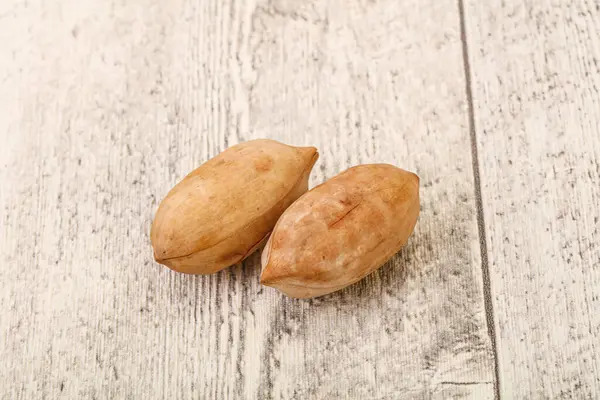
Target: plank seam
x=485, y=269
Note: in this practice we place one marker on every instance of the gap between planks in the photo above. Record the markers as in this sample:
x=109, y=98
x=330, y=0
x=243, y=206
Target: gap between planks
x=485, y=268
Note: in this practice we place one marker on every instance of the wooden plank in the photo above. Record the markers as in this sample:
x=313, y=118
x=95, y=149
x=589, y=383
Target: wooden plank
x=536, y=80
x=113, y=102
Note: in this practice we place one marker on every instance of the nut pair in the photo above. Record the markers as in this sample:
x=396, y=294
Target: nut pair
x=319, y=241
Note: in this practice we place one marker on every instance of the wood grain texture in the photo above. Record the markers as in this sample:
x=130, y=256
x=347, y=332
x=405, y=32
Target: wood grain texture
x=536, y=83
x=107, y=104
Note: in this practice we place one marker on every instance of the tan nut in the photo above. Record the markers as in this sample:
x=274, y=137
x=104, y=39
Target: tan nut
x=341, y=231
x=224, y=210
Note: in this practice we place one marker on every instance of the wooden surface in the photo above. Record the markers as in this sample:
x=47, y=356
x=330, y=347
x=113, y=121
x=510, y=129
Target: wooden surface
x=105, y=105
x=536, y=93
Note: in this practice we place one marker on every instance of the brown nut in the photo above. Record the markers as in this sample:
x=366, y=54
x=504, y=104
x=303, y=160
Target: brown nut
x=224, y=210
x=341, y=231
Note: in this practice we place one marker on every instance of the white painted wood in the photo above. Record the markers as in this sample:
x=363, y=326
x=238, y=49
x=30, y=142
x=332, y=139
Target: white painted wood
x=107, y=104
x=536, y=80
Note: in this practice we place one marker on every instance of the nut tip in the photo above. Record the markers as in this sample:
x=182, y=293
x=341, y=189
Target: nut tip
x=309, y=152
x=268, y=276
x=415, y=178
